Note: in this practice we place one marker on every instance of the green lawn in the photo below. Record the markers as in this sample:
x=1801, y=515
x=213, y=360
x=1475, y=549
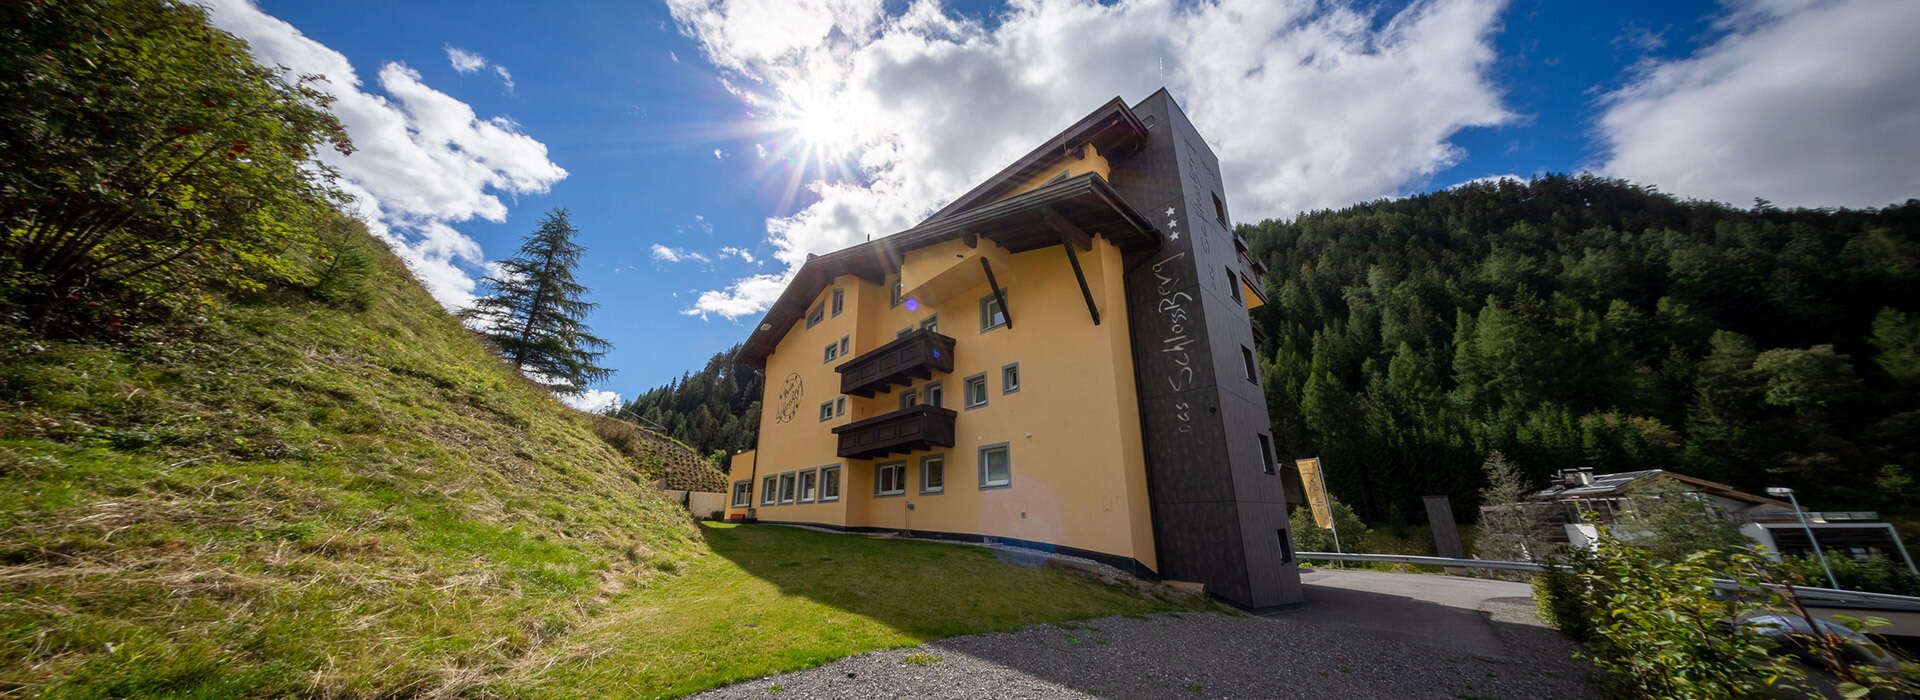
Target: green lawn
x=770, y=599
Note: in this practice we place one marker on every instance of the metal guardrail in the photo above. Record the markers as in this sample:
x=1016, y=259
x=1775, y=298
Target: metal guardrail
x=1817, y=597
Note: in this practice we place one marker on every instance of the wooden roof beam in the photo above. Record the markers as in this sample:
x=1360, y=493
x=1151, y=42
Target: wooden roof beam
x=1070, y=237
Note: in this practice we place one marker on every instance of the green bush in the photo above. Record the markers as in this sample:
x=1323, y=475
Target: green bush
x=1560, y=596
x=1310, y=537
x=1877, y=574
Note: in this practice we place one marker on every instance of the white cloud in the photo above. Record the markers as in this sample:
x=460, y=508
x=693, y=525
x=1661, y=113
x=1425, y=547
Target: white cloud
x=1309, y=104
x=673, y=56
x=719, y=154
x=673, y=255
x=1491, y=180
x=465, y=61
x=760, y=150
x=591, y=400
x=506, y=78
x=423, y=160
x=731, y=252
x=1801, y=103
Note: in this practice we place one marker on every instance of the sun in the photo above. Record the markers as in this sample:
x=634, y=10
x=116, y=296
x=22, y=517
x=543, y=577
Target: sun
x=820, y=130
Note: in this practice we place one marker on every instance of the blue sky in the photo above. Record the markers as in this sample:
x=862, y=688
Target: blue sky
x=648, y=121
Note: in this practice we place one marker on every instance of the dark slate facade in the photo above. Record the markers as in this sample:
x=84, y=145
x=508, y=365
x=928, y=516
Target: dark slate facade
x=1219, y=516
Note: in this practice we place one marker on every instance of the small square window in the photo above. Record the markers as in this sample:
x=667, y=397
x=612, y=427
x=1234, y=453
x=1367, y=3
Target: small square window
x=996, y=466
x=908, y=399
x=976, y=391
x=829, y=483
x=786, y=488
x=840, y=406
x=1266, y=454
x=1010, y=378
x=936, y=395
x=933, y=474
x=992, y=313
x=1253, y=368
x=839, y=300
x=831, y=353
x=769, y=493
x=742, y=494
x=816, y=315
x=890, y=479
x=809, y=480
x=826, y=411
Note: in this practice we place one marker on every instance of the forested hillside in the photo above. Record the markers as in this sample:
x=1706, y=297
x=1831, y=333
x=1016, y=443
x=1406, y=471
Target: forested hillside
x=716, y=408
x=1578, y=321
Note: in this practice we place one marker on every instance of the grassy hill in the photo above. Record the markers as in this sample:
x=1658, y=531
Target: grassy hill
x=287, y=497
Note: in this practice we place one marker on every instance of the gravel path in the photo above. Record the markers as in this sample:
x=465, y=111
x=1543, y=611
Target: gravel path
x=1193, y=655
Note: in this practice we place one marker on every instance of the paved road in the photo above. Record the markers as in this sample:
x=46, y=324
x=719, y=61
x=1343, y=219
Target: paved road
x=1361, y=634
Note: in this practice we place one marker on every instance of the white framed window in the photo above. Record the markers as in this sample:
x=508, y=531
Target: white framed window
x=809, y=482
x=826, y=411
x=908, y=399
x=992, y=314
x=933, y=474
x=890, y=479
x=769, y=490
x=815, y=316
x=845, y=346
x=1010, y=378
x=742, y=494
x=840, y=406
x=936, y=395
x=975, y=390
x=996, y=466
x=1266, y=454
x=830, y=483
x=839, y=300
x=787, y=481
x=831, y=353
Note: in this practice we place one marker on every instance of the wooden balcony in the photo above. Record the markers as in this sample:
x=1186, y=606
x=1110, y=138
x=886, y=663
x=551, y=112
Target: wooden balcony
x=914, y=356
x=920, y=427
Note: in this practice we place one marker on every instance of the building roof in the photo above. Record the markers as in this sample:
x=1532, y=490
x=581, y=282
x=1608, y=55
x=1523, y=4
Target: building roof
x=1018, y=223
x=1620, y=484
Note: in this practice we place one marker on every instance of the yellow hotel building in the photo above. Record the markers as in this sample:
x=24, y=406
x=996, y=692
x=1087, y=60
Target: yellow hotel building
x=1060, y=359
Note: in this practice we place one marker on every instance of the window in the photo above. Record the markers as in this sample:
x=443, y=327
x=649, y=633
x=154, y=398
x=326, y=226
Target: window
x=768, y=490
x=839, y=301
x=840, y=406
x=1220, y=211
x=931, y=325
x=845, y=345
x=933, y=474
x=992, y=314
x=786, y=488
x=907, y=399
x=826, y=411
x=935, y=395
x=816, y=315
x=742, y=494
x=1010, y=378
x=976, y=391
x=899, y=288
x=832, y=353
x=890, y=479
x=1266, y=454
x=1286, y=546
x=808, y=480
x=1253, y=368
x=996, y=466
x=1233, y=284
x=830, y=483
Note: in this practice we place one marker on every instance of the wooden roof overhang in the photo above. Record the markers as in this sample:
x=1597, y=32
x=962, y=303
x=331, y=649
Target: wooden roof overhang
x=1020, y=223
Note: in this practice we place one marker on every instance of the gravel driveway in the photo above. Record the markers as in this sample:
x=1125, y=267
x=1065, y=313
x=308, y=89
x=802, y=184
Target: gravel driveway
x=1452, y=645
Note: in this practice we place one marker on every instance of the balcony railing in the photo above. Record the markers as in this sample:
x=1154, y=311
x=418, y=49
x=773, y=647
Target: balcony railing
x=919, y=427
x=914, y=356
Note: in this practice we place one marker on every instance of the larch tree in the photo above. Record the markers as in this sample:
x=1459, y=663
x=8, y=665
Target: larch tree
x=536, y=315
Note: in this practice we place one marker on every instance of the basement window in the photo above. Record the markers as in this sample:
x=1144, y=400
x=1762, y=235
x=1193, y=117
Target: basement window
x=830, y=483
x=768, y=490
x=742, y=494
x=890, y=479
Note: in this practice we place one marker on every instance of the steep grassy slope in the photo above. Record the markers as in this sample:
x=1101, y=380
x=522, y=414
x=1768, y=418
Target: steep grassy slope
x=285, y=497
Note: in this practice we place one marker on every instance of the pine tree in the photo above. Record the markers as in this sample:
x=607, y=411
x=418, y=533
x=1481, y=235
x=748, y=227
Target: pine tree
x=536, y=316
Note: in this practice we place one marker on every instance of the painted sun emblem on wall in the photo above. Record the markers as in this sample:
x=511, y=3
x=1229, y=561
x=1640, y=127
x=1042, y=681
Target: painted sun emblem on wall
x=790, y=398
